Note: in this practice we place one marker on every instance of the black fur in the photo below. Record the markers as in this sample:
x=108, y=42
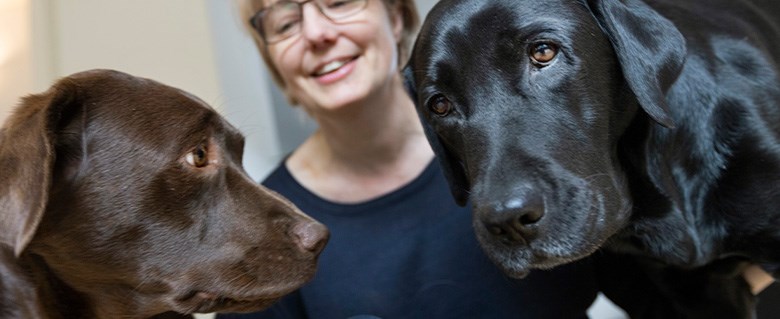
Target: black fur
x=654, y=130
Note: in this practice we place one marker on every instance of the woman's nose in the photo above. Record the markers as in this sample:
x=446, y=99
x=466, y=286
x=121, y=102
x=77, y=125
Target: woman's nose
x=316, y=28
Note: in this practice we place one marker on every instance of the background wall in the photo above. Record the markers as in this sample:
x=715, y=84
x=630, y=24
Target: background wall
x=195, y=45
x=16, y=73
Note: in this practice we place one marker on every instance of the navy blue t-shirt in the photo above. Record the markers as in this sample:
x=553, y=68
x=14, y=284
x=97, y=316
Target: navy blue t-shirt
x=412, y=253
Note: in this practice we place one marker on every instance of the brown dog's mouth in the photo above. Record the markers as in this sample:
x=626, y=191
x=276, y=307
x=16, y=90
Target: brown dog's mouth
x=197, y=301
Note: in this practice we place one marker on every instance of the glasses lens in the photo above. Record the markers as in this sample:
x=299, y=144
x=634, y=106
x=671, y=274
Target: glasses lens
x=338, y=9
x=283, y=19
x=280, y=21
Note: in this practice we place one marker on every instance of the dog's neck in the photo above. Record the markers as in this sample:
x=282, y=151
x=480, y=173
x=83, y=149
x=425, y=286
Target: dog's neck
x=663, y=205
x=56, y=298
x=51, y=298
x=657, y=209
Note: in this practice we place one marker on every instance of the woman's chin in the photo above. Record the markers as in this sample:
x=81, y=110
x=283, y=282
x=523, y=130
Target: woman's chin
x=340, y=98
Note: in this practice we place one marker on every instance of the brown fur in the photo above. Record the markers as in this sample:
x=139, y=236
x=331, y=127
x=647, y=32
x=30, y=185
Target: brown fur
x=125, y=198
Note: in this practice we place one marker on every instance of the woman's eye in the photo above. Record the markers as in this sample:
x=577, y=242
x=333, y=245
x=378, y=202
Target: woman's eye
x=282, y=27
x=440, y=105
x=198, y=157
x=337, y=3
x=344, y=5
x=543, y=53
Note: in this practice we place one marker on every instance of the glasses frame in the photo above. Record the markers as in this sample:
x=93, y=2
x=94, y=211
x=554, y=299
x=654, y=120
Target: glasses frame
x=256, y=19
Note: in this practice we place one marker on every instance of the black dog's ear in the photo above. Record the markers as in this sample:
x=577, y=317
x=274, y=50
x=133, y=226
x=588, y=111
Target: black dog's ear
x=409, y=83
x=27, y=159
x=452, y=169
x=650, y=49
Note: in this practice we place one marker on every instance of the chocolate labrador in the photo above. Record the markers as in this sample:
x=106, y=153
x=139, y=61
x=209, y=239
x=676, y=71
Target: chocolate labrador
x=651, y=127
x=126, y=198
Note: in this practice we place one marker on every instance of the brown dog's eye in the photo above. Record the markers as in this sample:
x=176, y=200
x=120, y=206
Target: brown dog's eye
x=198, y=157
x=543, y=53
x=440, y=105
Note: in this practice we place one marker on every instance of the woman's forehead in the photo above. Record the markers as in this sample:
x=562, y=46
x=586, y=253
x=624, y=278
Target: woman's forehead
x=257, y=5
x=266, y=3
x=260, y=4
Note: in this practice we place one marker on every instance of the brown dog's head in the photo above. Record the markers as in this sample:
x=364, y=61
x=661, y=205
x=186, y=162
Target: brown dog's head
x=527, y=123
x=133, y=194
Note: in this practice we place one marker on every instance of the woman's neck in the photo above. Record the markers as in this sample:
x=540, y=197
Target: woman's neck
x=363, y=151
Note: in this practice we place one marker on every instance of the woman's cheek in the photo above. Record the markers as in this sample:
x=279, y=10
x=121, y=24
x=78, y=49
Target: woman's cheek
x=285, y=60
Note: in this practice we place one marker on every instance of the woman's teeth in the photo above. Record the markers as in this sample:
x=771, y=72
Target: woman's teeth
x=330, y=67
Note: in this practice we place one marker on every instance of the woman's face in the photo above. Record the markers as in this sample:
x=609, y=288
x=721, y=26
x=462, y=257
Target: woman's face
x=332, y=64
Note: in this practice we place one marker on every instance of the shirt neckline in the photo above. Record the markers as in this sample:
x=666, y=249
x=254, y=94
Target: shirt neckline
x=415, y=185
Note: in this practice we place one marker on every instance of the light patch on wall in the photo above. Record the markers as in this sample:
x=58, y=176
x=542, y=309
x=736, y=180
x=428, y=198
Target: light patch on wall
x=5, y=51
x=14, y=52
x=12, y=13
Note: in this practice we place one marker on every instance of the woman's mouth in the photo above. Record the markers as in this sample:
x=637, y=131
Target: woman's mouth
x=334, y=70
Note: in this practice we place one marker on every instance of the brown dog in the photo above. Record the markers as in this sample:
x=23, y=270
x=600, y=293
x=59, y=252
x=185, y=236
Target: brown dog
x=125, y=198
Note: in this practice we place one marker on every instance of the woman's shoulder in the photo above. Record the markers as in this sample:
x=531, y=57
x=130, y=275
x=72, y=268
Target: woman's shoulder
x=282, y=181
x=278, y=176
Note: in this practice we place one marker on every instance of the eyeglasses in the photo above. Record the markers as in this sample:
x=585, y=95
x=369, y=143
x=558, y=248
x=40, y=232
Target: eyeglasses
x=283, y=19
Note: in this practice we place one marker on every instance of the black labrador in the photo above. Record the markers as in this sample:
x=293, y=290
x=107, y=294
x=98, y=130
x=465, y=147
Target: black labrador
x=125, y=198
x=651, y=127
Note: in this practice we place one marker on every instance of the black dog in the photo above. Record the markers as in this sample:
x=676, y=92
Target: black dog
x=651, y=127
x=126, y=198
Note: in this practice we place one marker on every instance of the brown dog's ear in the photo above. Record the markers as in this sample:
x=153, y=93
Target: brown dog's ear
x=26, y=162
x=650, y=49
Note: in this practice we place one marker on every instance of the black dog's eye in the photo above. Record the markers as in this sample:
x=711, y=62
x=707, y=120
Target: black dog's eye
x=543, y=53
x=440, y=105
x=198, y=157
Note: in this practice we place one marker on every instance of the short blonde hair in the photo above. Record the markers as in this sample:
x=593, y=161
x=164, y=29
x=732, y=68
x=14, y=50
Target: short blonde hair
x=407, y=9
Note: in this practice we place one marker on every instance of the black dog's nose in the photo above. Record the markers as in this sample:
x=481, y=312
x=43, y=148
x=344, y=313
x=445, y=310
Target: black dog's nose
x=512, y=222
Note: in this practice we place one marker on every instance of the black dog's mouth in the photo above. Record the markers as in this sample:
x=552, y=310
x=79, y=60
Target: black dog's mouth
x=545, y=252
x=547, y=247
x=577, y=217
x=517, y=262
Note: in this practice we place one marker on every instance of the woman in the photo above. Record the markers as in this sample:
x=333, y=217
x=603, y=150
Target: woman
x=399, y=246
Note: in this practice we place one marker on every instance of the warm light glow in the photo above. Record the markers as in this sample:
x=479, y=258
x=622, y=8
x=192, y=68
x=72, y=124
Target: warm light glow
x=5, y=51
x=12, y=14
x=14, y=53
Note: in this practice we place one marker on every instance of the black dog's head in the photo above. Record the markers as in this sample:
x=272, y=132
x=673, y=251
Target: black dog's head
x=524, y=104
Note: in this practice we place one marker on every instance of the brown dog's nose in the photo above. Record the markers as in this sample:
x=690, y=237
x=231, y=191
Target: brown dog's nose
x=513, y=221
x=310, y=236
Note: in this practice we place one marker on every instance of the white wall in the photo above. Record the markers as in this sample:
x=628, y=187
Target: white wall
x=166, y=40
x=15, y=58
